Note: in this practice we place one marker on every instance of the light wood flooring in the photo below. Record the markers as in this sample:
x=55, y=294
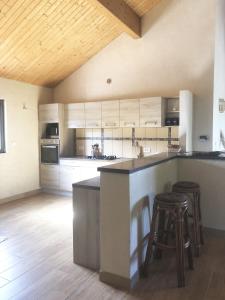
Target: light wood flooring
x=36, y=260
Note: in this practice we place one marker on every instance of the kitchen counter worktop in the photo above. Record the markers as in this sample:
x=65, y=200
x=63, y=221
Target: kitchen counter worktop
x=85, y=159
x=135, y=165
x=90, y=184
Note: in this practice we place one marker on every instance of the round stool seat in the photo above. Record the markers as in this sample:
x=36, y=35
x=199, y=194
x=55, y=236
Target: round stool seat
x=186, y=187
x=172, y=199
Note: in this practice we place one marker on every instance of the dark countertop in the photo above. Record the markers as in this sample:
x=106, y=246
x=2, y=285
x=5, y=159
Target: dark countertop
x=135, y=165
x=90, y=184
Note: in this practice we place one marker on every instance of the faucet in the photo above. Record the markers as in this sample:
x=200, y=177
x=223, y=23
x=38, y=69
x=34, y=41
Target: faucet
x=141, y=152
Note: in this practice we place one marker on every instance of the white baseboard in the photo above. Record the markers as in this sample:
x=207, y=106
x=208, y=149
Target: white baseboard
x=20, y=196
x=57, y=192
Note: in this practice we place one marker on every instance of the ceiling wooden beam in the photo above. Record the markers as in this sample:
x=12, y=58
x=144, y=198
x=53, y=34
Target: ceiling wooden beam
x=122, y=14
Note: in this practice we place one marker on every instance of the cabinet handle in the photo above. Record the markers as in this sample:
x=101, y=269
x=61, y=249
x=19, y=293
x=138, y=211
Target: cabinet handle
x=92, y=124
x=151, y=122
x=110, y=124
x=129, y=123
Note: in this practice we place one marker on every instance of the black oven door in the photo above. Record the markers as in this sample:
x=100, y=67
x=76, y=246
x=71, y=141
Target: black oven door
x=50, y=154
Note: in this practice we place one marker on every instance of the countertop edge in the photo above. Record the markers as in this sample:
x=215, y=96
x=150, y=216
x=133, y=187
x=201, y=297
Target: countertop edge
x=108, y=169
x=89, y=184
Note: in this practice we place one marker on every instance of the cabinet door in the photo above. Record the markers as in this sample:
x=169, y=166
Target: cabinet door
x=129, y=113
x=89, y=172
x=74, y=115
x=67, y=176
x=152, y=112
x=49, y=176
x=93, y=115
x=110, y=114
x=49, y=113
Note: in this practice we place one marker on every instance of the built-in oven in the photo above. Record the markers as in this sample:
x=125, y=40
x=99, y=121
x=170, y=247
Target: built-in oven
x=49, y=151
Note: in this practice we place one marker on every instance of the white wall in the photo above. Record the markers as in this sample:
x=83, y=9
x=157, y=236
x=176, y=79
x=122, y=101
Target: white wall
x=126, y=202
x=175, y=53
x=219, y=74
x=210, y=176
x=19, y=167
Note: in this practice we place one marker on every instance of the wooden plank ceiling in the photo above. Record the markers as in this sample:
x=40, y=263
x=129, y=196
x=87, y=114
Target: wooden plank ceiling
x=44, y=41
x=141, y=7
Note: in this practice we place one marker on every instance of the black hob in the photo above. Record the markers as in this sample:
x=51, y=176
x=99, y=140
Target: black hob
x=103, y=157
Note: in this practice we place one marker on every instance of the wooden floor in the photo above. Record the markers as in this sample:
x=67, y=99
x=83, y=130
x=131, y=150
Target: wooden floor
x=36, y=260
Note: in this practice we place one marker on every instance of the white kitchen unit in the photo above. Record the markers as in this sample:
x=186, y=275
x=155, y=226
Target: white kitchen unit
x=186, y=119
x=75, y=115
x=110, y=114
x=129, y=113
x=70, y=170
x=93, y=118
x=86, y=232
x=68, y=174
x=152, y=112
x=50, y=113
x=49, y=176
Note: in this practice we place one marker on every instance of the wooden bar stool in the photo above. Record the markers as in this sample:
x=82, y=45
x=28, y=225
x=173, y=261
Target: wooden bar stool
x=173, y=208
x=193, y=190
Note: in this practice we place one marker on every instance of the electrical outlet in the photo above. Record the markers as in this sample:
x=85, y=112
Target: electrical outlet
x=146, y=149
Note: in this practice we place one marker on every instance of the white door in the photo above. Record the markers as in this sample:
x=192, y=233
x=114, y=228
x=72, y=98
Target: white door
x=129, y=113
x=93, y=115
x=110, y=114
x=152, y=112
x=75, y=115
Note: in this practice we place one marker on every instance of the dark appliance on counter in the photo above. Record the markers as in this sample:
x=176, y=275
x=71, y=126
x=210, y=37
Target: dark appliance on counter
x=172, y=121
x=103, y=157
x=52, y=131
x=49, y=151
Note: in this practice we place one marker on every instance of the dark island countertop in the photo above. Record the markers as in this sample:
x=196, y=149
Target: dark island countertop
x=135, y=165
x=90, y=184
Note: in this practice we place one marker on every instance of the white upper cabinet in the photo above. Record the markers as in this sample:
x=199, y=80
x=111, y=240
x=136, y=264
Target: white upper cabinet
x=152, y=112
x=50, y=113
x=110, y=114
x=75, y=115
x=129, y=113
x=93, y=118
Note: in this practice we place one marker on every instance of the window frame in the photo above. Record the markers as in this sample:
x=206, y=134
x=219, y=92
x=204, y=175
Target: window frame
x=2, y=127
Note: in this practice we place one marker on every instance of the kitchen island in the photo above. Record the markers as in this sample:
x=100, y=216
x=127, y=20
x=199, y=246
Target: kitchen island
x=127, y=192
x=86, y=223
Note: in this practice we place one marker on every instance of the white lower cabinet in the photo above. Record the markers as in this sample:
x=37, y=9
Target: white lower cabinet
x=62, y=176
x=67, y=176
x=49, y=175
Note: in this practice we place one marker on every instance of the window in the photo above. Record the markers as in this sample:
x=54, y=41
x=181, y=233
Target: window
x=2, y=127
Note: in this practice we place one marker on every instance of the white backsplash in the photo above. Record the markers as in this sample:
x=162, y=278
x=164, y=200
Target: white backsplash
x=118, y=141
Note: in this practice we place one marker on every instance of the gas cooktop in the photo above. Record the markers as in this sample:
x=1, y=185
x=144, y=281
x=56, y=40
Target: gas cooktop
x=103, y=157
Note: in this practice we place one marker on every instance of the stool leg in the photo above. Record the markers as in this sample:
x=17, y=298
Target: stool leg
x=150, y=242
x=196, y=224
x=189, y=249
x=180, y=247
x=161, y=227
x=200, y=219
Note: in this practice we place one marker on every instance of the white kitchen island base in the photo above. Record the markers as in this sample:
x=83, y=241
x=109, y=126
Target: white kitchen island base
x=86, y=223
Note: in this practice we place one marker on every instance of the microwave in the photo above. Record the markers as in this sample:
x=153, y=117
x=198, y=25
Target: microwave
x=52, y=130
x=49, y=151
